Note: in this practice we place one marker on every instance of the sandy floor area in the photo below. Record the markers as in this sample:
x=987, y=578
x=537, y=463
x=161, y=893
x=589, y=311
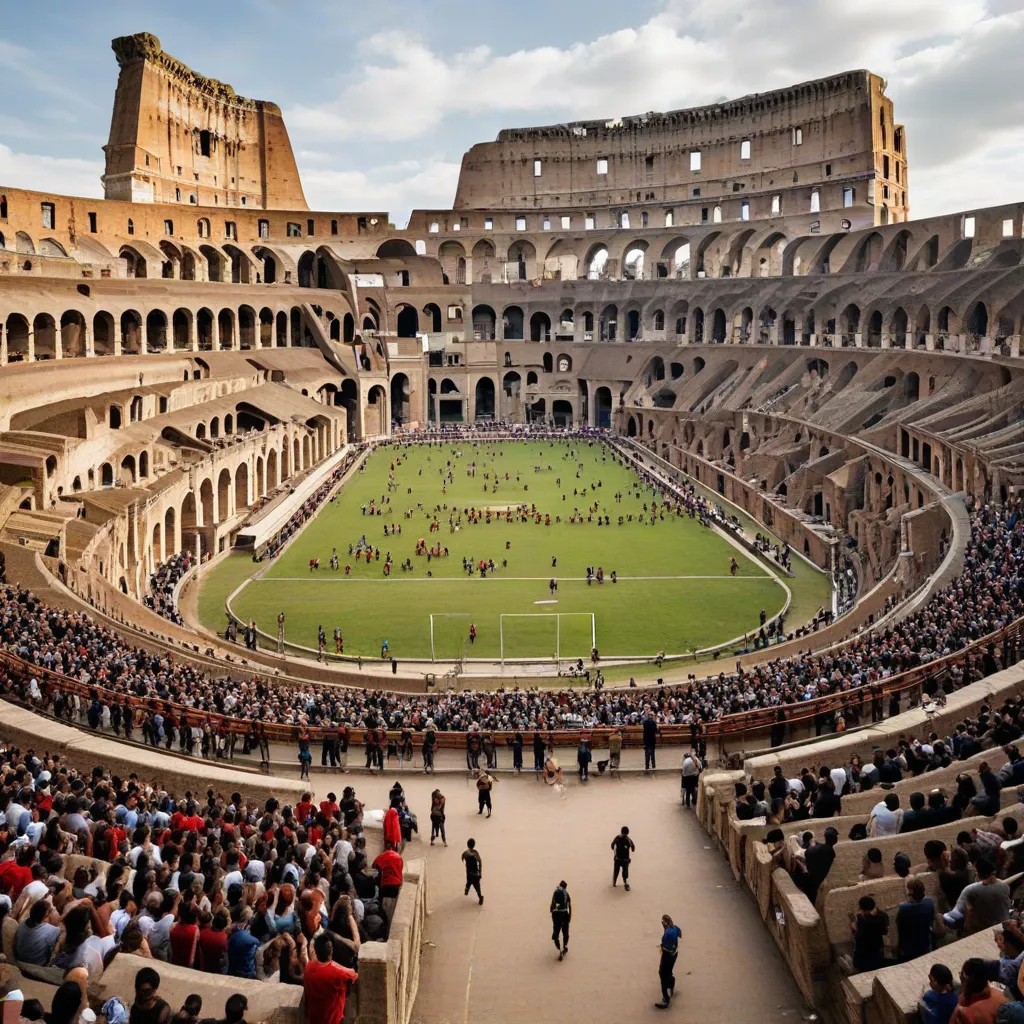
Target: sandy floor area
x=497, y=962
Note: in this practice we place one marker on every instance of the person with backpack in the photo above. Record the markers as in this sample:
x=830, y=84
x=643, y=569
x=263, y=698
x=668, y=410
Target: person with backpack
x=561, y=915
x=690, y=776
x=623, y=847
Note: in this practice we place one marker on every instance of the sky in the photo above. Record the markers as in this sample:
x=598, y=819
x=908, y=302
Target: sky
x=382, y=100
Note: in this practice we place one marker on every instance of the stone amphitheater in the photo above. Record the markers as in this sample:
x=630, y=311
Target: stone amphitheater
x=735, y=296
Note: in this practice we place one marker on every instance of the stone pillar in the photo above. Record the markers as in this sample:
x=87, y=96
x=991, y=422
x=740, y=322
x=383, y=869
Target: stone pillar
x=814, y=341
x=929, y=342
x=858, y=340
x=215, y=334
x=1014, y=347
x=886, y=342
x=88, y=342
x=193, y=334
x=3, y=346
x=291, y=331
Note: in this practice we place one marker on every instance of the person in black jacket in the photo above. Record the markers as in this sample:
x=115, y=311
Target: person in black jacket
x=650, y=740
x=561, y=915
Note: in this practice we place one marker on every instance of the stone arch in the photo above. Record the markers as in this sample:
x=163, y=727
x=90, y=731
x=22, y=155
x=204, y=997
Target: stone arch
x=226, y=326
x=452, y=257
x=407, y=321
x=540, y=327
x=241, y=485
x=214, y=263
x=631, y=430
x=395, y=249
x=522, y=255
x=898, y=328
x=718, y=336
x=128, y=470
x=307, y=454
x=377, y=411
x=72, y=334
x=603, y=407
x=634, y=261
x=44, y=335
x=134, y=261
x=272, y=478
x=156, y=331
x=205, y=322
x=484, y=323
x=181, y=328
x=484, y=396
x=246, y=327
x=103, y=334
x=307, y=269
x=484, y=261
x=767, y=258
x=512, y=323
x=894, y=257
x=18, y=333
x=675, y=258
x=171, y=544
x=976, y=322
x=433, y=314
x=865, y=256
x=735, y=259
x=595, y=266
x=400, y=399
x=223, y=495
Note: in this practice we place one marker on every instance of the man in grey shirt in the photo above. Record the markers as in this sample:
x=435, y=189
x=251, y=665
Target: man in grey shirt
x=36, y=937
x=982, y=904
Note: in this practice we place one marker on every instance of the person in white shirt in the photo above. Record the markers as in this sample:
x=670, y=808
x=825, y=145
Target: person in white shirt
x=838, y=777
x=886, y=817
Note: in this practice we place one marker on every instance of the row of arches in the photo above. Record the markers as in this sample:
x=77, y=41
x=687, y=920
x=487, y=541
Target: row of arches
x=73, y=334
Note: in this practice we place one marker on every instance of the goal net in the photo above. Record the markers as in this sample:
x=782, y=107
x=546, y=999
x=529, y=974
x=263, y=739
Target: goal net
x=544, y=636
x=449, y=635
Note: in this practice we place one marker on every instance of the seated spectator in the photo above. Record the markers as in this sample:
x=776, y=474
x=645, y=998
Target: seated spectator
x=886, y=817
x=901, y=865
x=817, y=864
x=36, y=937
x=872, y=866
x=978, y=1001
x=987, y=802
x=940, y=997
x=918, y=816
x=982, y=904
x=235, y=1008
x=916, y=922
x=148, y=1007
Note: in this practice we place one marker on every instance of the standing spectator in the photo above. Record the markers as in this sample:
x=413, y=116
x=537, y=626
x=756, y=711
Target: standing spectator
x=561, y=915
x=869, y=929
x=484, y=785
x=623, y=847
x=326, y=984
x=978, y=1001
x=818, y=860
x=915, y=922
x=690, y=777
x=437, y=817
x=390, y=865
x=669, y=947
x=650, y=741
x=474, y=868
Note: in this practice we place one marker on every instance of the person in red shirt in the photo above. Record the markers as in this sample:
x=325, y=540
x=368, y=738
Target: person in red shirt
x=329, y=807
x=185, y=938
x=390, y=866
x=392, y=828
x=17, y=873
x=326, y=984
x=304, y=808
x=213, y=945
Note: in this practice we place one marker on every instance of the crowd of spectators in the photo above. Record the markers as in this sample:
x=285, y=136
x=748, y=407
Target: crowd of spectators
x=162, y=583
x=208, y=882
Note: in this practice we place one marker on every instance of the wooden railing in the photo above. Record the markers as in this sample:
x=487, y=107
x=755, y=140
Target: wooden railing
x=1005, y=644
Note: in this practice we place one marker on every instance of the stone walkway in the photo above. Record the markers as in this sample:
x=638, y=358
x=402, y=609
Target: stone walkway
x=497, y=962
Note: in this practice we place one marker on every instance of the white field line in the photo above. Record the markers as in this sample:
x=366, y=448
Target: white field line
x=318, y=578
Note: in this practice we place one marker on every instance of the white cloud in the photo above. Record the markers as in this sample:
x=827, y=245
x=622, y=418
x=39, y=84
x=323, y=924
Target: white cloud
x=63, y=175
x=398, y=187
x=952, y=71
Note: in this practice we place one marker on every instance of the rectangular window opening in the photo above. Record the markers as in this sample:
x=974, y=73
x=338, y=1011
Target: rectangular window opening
x=49, y=215
x=798, y=136
x=602, y=165
x=968, y=227
x=566, y=222
x=745, y=149
x=537, y=165
x=520, y=223
x=695, y=160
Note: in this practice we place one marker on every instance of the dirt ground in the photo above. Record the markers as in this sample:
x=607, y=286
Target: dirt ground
x=497, y=962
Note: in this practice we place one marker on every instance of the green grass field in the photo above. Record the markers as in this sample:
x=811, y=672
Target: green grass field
x=674, y=593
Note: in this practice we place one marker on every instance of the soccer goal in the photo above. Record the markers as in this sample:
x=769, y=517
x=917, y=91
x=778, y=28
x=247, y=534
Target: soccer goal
x=449, y=635
x=539, y=636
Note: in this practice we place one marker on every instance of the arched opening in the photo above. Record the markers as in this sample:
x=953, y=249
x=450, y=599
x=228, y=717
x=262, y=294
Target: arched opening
x=595, y=266
x=246, y=327
x=223, y=495
x=241, y=486
x=875, y=329
x=898, y=328
x=977, y=320
x=348, y=398
x=226, y=326
x=608, y=323
x=400, y=400
x=377, y=412
x=107, y=475
x=485, y=399
x=102, y=334
x=206, y=501
x=272, y=477
x=561, y=412
x=452, y=257
x=17, y=338
x=204, y=330
x=433, y=314
x=603, y=408
x=483, y=261
x=512, y=323
x=631, y=427
x=158, y=548
x=522, y=262
x=849, y=325
x=307, y=270
x=408, y=322
x=156, y=331
x=348, y=329
x=170, y=534
x=484, y=320
x=215, y=427
x=395, y=249
x=548, y=362
x=632, y=325
x=134, y=263
x=633, y=262
x=718, y=326
x=72, y=334
x=214, y=263
x=540, y=327
x=181, y=329
x=44, y=333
